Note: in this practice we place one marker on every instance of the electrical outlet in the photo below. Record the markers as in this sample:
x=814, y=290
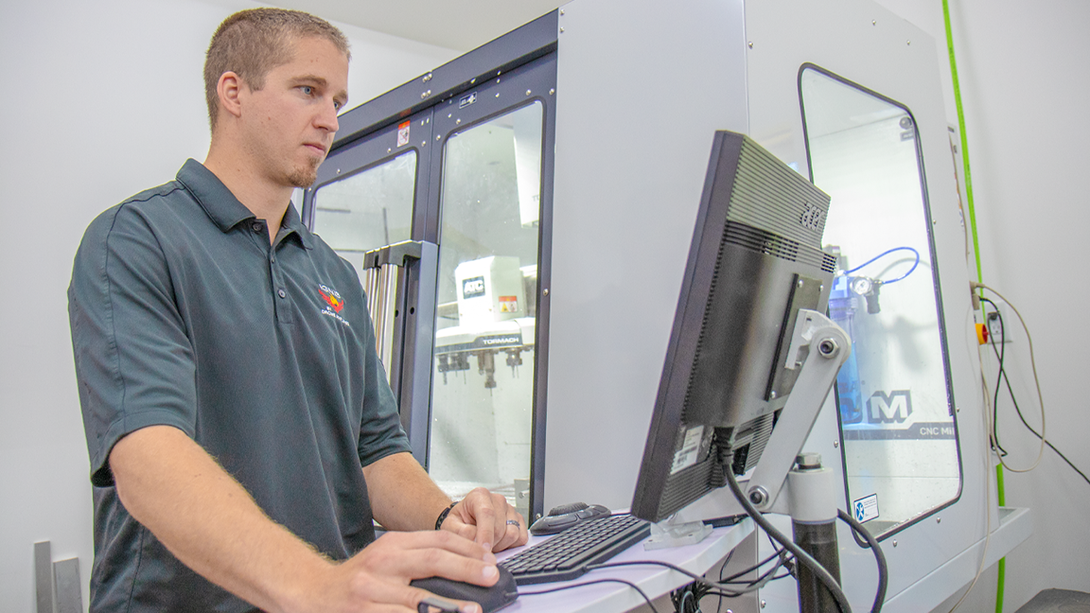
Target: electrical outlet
x=995, y=331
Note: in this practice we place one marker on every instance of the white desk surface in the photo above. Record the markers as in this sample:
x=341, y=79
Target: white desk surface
x=653, y=580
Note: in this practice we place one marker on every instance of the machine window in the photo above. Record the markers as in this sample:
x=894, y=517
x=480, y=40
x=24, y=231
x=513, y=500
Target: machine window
x=483, y=384
x=894, y=394
x=369, y=209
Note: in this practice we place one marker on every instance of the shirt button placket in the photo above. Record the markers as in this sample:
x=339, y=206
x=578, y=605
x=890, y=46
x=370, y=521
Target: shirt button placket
x=283, y=307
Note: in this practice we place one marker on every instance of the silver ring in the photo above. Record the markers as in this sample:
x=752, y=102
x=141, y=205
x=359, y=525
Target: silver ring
x=513, y=522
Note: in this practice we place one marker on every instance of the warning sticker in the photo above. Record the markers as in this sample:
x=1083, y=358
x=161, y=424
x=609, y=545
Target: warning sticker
x=509, y=304
x=866, y=508
x=690, y=449
x=403, y=133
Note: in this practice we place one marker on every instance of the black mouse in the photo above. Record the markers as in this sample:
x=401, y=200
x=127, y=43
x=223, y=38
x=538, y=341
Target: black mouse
x=565, y=516
x=494, y=598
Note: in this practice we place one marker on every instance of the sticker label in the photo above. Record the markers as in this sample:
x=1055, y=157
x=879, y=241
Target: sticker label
x=403, y=133
x=866, y=508
x=509, y=304
x=467, y=100
x=690, y=449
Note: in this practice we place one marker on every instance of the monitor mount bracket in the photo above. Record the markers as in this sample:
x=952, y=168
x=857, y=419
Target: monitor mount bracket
x=827, y=348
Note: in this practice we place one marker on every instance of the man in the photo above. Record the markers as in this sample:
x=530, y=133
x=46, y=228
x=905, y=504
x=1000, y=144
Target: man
x=241, y=432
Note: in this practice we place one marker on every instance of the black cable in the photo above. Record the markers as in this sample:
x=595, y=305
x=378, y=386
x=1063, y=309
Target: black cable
x=1003, y=378
x=686, y=599
x=883, y=568
x=732, y=578
x=673, y=567
x=725, y=587
x=592, y=582
x=767, y=576
x=786, y=559
x=723, y=569
x=800, y=555
x=995, y=397
x=778, y=552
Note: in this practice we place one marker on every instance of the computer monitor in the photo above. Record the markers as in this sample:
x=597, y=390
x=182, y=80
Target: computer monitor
x=754, y=262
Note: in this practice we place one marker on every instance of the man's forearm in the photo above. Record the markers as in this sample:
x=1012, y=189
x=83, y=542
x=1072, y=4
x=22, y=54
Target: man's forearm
x=208, y=521
x=402, y=495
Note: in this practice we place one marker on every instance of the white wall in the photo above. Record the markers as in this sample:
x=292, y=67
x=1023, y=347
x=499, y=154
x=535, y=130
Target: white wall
x=103, y=99
x=1025, y=86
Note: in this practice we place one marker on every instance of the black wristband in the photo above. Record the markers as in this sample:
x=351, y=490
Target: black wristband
x=443, y=515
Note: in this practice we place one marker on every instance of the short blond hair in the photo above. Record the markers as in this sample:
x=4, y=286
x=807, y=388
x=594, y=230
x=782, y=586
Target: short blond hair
x=250, y=43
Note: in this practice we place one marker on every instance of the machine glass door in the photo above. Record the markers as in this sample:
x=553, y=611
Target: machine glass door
x=363, y=212
x=368, y=209
x=367, y=203
x=483, y=385
x=894, y=394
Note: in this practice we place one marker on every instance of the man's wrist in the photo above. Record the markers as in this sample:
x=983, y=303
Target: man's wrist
x=443, y=515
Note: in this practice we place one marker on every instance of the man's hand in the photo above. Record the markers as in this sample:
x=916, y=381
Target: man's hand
x=405, y=498
x=379, y=575
x=488, y=520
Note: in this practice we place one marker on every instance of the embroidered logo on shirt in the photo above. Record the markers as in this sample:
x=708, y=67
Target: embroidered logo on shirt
x=331, y=297
x=334, y=303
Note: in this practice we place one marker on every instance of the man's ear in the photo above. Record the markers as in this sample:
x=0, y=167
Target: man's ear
x=229, y=88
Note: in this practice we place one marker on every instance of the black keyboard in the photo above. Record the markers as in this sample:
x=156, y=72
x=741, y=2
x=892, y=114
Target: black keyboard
x=566, y=556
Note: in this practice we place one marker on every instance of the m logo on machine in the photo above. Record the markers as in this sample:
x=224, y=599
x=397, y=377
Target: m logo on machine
x=894, y=407
x=473, y=288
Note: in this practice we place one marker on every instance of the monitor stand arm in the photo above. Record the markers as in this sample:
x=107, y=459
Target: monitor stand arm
x=786, y=480
x=828, y=347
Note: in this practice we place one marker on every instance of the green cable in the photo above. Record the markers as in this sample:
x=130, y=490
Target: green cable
x=964, y=139
x=1001, y=495
x=1002, y=568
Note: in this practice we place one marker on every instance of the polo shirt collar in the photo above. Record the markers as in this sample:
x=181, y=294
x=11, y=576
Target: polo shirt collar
x=224, y=209
x=294, y=224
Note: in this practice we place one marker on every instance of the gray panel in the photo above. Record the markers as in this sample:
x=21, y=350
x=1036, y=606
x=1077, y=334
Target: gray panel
x=43, y=577
x=69, y=599
x=641, y=89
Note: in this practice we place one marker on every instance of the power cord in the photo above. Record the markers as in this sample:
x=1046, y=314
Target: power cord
x=687, y=598
x=1004, y=379
x=880, y=558
x=1036, y=380
x=727, y=589
x=819, y=571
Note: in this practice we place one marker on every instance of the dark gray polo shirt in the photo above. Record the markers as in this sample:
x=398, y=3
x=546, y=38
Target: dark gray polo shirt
x=182, y=314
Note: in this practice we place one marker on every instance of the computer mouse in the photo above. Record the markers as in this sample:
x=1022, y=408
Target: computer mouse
x=565, y=516
x=494, y=598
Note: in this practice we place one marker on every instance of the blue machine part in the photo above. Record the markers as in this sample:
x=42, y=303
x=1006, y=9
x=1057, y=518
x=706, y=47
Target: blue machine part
x=849, y=396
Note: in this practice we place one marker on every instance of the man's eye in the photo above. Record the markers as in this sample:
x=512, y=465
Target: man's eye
x=307, y=90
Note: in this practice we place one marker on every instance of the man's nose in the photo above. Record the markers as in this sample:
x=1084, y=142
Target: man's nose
x=327, y=119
